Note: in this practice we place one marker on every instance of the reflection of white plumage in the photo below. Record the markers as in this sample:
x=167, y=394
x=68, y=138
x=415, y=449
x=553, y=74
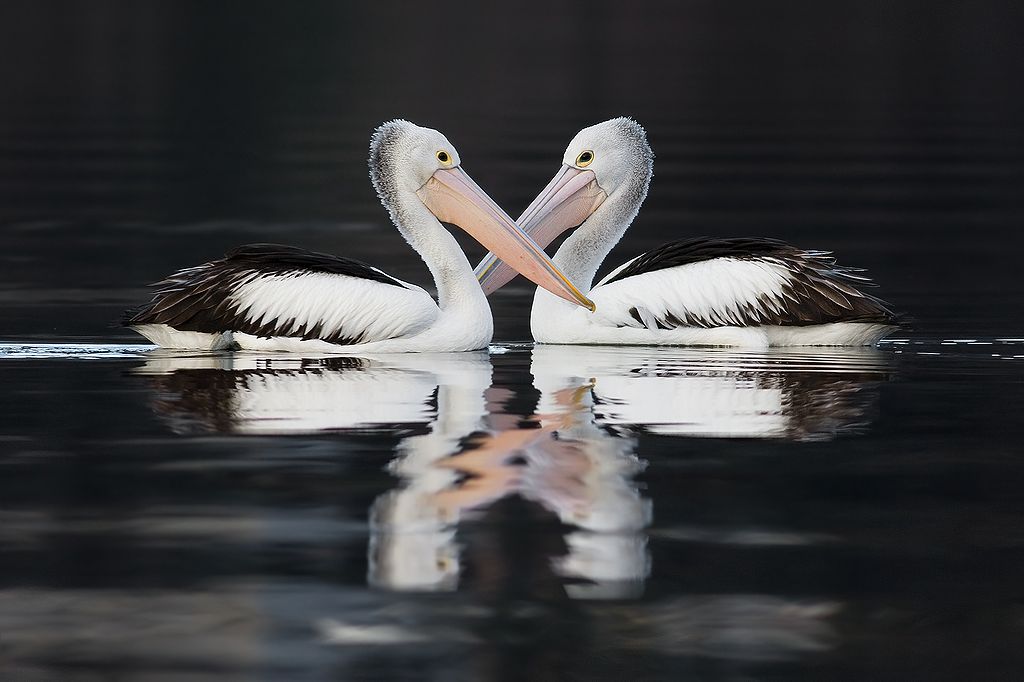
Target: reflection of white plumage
x=775, y=393
x=578, y=462
x=412, y=532
x=250, y=394
x=412, y=539
x=568, y=466
x=585, y=475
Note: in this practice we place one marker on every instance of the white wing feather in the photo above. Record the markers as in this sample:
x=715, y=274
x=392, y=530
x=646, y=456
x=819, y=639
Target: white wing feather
x=343, y=306
x=717, y=292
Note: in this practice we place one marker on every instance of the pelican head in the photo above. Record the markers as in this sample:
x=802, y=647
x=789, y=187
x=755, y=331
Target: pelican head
x=606, y=170
x=414, y=168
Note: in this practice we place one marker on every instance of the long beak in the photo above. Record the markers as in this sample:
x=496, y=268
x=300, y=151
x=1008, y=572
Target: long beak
x=453, y=197
x=568, y=200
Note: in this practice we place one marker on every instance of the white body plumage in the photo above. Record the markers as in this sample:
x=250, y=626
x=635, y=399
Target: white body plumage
x=270, y=297
x=717, y=292
x=392, y=319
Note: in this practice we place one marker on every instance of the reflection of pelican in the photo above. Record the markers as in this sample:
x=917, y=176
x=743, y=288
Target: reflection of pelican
x=676, y=391
x=585, y=475
x=251, y=394
x=461, y=453
x=412, y=543
x=269, y=297
x=412, y=528
x=567, y=465
x=710, y=292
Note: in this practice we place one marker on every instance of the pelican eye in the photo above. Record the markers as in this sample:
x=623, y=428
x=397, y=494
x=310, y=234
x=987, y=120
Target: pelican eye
x=585, y=158
x=444, y=157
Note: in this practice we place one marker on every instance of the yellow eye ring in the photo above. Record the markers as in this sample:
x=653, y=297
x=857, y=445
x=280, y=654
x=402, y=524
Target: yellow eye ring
x=444, y=157
x=585, y=158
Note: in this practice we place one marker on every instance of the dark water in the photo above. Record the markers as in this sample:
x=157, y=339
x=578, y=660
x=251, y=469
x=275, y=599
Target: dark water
x=554, y=512
x=527, y=513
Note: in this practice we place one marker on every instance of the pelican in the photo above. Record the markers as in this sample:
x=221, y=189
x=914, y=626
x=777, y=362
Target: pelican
x=750, y=293
x=271, y=297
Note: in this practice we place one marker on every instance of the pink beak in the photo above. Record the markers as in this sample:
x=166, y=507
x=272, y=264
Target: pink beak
x=453, y=197
x=570, y=198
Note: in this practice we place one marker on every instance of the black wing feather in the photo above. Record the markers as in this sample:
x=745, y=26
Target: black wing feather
x=199, y=298
x=820, y=290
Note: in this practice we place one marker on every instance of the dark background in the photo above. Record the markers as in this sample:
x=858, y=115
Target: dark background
x=140, y=137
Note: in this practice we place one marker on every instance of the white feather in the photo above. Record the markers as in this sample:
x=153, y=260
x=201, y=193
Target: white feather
x=714, y=290
x=718, y=301
x=340, y=313
x=169, y=337
x=616, y=271
x=349, y=307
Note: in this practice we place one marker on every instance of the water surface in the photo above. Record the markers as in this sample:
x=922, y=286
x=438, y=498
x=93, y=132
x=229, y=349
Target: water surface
x=586, y=512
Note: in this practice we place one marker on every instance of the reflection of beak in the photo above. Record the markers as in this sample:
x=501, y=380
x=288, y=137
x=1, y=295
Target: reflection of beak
x=570, y=198
x=453, y=197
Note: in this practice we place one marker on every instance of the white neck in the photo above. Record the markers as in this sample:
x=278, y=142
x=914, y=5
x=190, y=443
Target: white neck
x=582, y=253
x=458, y=291
x=579, y=257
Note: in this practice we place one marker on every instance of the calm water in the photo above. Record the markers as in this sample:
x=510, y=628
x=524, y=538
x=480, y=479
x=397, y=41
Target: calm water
x=523, y=513
x=519, y=514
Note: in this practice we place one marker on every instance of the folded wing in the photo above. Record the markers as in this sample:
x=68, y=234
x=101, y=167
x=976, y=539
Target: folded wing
x=269, y=290
x=707, y=283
